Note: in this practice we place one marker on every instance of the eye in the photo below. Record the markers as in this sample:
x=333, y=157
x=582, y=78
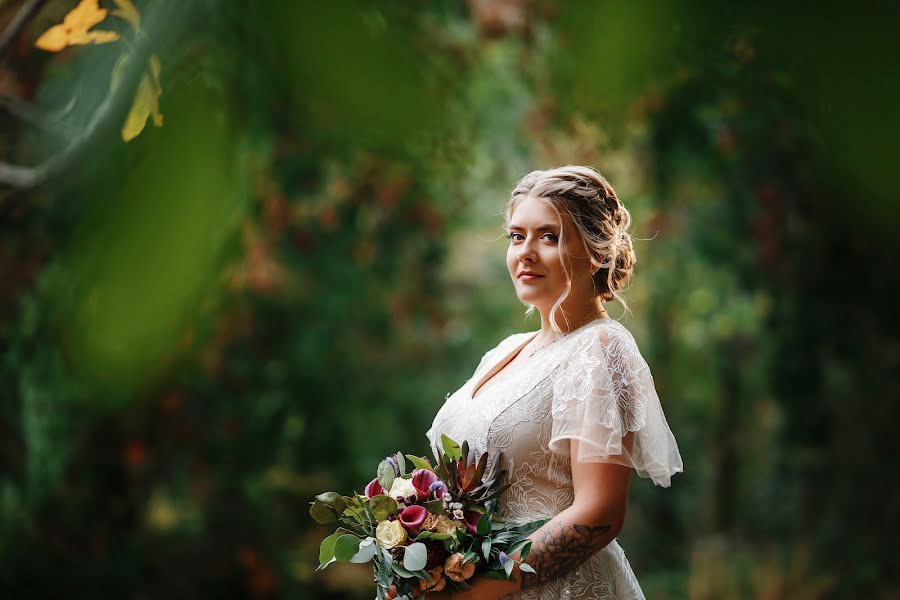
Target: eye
x=552, y=237
x=514, y=236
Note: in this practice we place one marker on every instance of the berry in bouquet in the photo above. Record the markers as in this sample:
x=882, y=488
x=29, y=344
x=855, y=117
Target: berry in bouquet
x=427, y=528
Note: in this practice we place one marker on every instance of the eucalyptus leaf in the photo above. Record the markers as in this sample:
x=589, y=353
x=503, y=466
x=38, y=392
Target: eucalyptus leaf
x=508, y=567
x=326, y=548
x=525, y=568
x=334, y=500
x=386, y=475
x=366, y=552
x=470, y=556
x=322, y=513
x=346, y=547
x=415, y=557
x=383, y=506
x=402, y=571
x=401, y=462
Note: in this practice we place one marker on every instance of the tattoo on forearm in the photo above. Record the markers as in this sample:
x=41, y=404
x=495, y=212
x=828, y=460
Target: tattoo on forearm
x=559, y=549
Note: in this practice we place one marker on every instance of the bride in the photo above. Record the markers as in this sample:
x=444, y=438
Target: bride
x=569, y=410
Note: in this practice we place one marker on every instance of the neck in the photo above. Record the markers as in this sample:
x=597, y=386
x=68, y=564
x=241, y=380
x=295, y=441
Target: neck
x=571, y=317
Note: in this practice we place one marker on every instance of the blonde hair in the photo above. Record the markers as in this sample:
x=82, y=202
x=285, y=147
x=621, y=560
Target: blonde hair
x=601, y=223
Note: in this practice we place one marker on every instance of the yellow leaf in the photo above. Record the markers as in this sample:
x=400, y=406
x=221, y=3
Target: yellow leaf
x=54, y=39
x=129, y=12
x=146, y=102
x=73, y=30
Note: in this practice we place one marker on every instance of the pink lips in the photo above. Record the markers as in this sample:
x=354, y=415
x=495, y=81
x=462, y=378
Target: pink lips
x=529, y=276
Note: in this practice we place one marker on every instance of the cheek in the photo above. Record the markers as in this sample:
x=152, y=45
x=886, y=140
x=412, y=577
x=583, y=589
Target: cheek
x=510, y=260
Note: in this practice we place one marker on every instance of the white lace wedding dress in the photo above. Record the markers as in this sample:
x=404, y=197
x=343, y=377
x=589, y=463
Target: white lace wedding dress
x=592, y=384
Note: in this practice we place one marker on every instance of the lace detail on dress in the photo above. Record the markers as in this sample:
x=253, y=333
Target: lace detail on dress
x=604, y=391
x=593, y=385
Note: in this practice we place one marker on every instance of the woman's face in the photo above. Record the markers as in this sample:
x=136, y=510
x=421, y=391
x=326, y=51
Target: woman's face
x=535, y=256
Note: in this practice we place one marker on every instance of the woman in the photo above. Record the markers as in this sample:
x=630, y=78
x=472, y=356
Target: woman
x=568, y=410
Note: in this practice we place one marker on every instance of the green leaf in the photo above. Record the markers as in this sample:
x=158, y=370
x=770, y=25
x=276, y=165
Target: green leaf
x=493, y=574
x=482, y=465
x=401, y=571
x=470, y=556
x=525, y=568
x=486, y=548
x=428, y=535
x=484, y=524
x=464, y=452
x=322, y=513
x=419, y=463
x=415, y=557
x=463, y=536
x=525, y=550
x=383, y=506
x=367, y=548
x=401, y=462
x=515, y=547
x=451, y=448
x=346, y=547
x=334, y=500
x=435, y=507
x=326, y=549
x=386, y=475
x=508, y=567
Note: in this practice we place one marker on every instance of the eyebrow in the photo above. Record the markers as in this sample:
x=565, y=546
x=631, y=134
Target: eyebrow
x=547, y=227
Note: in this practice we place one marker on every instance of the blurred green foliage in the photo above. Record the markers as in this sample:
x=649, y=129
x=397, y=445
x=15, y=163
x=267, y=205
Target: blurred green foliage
x=205, y=327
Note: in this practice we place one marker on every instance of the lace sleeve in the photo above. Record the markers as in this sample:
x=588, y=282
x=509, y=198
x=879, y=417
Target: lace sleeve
x=603, y=391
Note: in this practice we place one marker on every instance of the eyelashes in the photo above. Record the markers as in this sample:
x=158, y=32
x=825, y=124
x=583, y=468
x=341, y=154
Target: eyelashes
x=517, y=237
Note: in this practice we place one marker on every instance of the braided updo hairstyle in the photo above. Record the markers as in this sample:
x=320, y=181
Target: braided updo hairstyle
x=600, y=218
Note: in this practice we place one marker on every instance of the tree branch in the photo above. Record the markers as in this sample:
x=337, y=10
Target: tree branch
x=36, y=117
x=110, y=113
x=12, y=31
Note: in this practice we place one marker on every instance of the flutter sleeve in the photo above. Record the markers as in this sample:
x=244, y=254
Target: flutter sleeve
x=602, y=392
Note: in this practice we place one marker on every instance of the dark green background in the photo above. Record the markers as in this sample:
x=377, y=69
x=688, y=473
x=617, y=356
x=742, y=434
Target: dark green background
x=205, y=327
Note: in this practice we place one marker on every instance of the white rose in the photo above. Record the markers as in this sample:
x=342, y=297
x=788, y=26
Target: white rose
x=402, y=488
x=390, y=533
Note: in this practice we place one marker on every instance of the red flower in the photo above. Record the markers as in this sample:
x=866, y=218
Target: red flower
x=412, y=517
x=374, y=489
x=424, y=480
x=471, y=518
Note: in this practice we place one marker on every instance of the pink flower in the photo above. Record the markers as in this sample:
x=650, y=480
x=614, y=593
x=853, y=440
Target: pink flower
x=471, y=518
x=374, y=489
x=413, y=516
x=425, y=482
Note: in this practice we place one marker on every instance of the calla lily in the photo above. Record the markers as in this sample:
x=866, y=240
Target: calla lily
x=374, y=489
x=413, y=516
x=471, y=518
x=424, y=481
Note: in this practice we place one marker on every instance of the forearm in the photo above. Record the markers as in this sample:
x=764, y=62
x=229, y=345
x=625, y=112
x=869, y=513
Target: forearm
x=557, y=548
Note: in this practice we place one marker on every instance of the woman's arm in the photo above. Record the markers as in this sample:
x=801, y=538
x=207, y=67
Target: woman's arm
x=592, y=521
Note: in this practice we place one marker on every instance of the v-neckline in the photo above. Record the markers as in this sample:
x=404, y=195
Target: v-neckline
x=510, y=356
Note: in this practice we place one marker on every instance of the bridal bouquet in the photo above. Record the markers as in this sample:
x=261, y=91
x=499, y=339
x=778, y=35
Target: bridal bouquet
x=427, y=529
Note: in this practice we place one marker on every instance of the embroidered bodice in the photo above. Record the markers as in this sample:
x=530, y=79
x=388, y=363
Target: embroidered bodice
x=592, y=385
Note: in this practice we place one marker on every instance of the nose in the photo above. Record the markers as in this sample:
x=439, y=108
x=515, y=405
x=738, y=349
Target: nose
x=526, y=250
